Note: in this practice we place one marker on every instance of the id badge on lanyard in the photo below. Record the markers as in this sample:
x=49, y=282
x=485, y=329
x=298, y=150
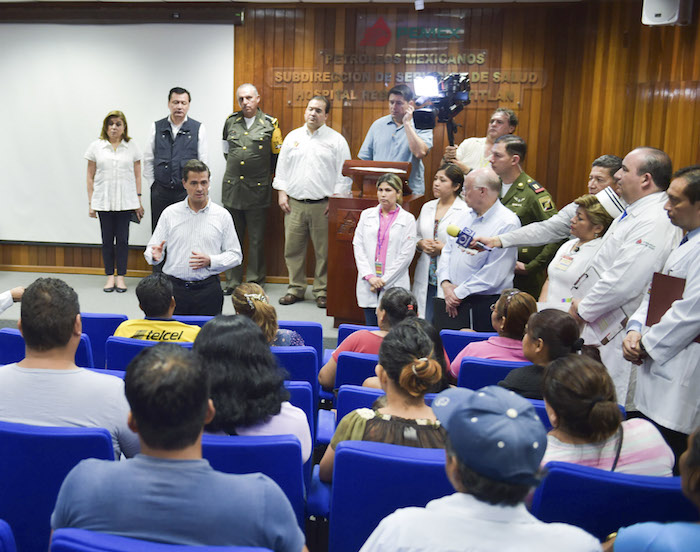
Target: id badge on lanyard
x=564, y=263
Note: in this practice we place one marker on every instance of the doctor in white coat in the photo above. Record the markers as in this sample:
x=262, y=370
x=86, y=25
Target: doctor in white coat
x=434, y=218
x=384, y=245
x=668, y=377
x=635, y=246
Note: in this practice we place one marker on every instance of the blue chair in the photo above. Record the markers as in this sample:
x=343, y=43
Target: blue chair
x=301, y=395
x=352, y=397
x=371, y=480
x=344, y=330
x=34, y=462
x=277, y=456
x=311, y=333
x=120, y=350
x=476, y=373
x=454, y=340
x=354, y=368
x=601, y=502
x=193, y=320
x=99, y=326
x=12, y=348
x=7, y=539
x=301, y=363
x=80, y=540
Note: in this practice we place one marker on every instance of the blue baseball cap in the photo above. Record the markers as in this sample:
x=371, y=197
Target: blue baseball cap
x=493, y=431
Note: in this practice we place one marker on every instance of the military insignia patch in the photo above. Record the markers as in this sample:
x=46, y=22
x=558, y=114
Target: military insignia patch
x=536, y=187
x=546, y=203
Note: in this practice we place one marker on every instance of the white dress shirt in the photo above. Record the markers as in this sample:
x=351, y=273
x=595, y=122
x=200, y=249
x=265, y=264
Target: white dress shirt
x=209, y=230
x=310, y=165
x=471, y=153
x=5, y=300
x=114, y=186
x=484, y=273
x=202, y=150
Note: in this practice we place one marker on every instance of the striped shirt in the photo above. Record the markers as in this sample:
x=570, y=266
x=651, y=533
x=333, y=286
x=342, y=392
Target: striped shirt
x=209, y=230
x=644, y=451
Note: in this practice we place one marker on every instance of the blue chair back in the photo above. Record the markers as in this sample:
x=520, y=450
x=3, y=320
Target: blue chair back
x=277, y=456
x=7, y=539
x=99, y=326
x=192, y=319
x=311, y=333
x=354, y=368
x=301, y=395
x=12, y=348
x=345, y=330
x=476, y=373
x=34, y=462
x=454, y=340
x=601, y=502
x=80, y=540
x=120, y=350
x=352, y=397
x=301, y=363
x=371, y=480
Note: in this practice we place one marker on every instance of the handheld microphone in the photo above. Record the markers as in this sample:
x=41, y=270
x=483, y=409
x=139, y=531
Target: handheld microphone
x=465, y=237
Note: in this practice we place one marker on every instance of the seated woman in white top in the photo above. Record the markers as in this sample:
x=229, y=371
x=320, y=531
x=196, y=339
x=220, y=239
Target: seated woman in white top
x=384, y=245
x=434, y=218
x=247, y=385
x=580, y=399
x=588, y=226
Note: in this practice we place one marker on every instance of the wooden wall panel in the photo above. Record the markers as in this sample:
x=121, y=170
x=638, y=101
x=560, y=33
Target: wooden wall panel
x=610, y=84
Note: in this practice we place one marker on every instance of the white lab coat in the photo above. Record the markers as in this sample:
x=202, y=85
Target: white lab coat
x=668, y=383
x=425, y=225
x=400, y=251
x=633, y=248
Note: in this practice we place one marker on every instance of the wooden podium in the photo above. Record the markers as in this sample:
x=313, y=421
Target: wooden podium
x=343, y=215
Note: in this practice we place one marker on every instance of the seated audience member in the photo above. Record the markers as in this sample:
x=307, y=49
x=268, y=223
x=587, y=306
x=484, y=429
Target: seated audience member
x=588, y=226
x=247, y=385
x=156, y=300
x=10, y=296
x=509, y=316
x=681, y=536
x=395, y=305
x=407, y=369
x=46, y=387
x=581, y=403
x=495, y=442
x=168, y=493
x=442, y=359
x=549, y=334
x=250, y=300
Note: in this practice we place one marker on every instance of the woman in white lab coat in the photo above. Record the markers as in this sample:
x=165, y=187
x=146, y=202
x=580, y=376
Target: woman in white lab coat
x=384, y=244
x=434, y=218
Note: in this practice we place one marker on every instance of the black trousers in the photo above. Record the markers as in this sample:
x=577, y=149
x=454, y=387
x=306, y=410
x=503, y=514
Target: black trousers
x=163, y=197
x=474, y=312
x=115, y=240
x=204, y=297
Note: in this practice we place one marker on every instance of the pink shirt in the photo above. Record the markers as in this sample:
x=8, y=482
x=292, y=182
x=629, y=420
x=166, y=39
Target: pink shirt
x=495, y=348
x=361, y=341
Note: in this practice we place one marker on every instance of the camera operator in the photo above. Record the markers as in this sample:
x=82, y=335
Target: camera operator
x=395, y=138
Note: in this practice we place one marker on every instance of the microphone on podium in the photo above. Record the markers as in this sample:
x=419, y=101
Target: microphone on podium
x=465, y=236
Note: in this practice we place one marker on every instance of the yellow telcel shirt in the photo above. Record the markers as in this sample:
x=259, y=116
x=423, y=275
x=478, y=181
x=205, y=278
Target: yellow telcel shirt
x=157, y=330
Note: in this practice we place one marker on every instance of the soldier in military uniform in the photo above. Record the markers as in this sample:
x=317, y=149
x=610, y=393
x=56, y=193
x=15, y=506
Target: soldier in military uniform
x=523, y=195
x=252, y=141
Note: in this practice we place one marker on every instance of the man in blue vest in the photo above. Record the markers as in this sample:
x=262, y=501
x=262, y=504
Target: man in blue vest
x=173, y=141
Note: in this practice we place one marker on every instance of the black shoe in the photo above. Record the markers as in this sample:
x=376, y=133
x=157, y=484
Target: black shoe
x=228, y=291
x=120, y=290
x=289, y=299
x=109, y=290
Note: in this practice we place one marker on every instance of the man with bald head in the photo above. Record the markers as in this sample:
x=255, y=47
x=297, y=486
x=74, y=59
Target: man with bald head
x=470, y=282
x=635, y=246
x=251, y=142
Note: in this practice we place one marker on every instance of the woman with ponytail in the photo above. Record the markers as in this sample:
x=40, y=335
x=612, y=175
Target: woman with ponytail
x=250, y=300
x=580, y=399
x=549, y=334
x=407, y=369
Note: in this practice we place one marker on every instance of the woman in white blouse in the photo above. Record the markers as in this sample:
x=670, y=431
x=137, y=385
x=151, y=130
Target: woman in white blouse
x=384, y=245
x=588, y=226
x=114, y=193
x=433, y=220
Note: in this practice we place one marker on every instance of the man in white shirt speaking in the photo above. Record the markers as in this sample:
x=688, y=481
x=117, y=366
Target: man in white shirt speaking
x=201, y=242
x=309, y=171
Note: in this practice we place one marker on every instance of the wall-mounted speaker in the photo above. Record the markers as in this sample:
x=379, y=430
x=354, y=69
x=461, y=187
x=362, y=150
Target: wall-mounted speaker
x=667, y=12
